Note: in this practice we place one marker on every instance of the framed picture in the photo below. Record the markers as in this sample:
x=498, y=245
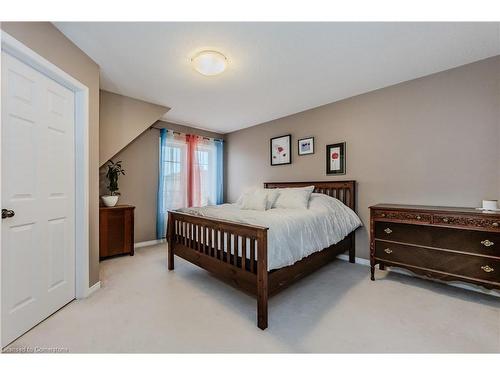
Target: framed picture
x=281, y=152
x=335, y=158
x=306, y=146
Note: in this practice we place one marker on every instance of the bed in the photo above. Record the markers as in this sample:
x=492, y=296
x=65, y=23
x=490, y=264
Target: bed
x=264, y=259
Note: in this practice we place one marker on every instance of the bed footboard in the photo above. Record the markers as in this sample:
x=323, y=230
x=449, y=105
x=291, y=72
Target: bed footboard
x=232, y=251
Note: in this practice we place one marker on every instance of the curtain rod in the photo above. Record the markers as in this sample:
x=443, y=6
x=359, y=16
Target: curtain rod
x=180, y=133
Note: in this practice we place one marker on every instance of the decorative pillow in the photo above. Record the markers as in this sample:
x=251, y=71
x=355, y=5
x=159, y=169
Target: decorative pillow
x=249, y=190
x=272, y=196
x=254, y=201
x=294, y=197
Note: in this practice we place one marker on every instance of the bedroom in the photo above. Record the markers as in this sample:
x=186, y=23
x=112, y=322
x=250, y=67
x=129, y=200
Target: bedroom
x=251, y=187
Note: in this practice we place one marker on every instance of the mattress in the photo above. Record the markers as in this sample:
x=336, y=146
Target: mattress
x=293, y=233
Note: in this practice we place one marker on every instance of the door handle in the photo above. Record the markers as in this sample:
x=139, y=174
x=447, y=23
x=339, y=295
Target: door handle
x=7, y=213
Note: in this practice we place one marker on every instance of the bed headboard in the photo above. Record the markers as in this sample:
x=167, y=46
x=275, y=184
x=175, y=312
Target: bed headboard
x=344, y=191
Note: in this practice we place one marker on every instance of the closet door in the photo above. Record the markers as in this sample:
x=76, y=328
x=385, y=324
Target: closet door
x=38, y=197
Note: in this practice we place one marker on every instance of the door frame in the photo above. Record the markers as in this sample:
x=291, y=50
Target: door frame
x=37, y=62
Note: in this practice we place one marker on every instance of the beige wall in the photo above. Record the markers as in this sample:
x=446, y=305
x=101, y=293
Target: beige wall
x=139, y=185
x=47, y=41
x=122, y=119
x=433, y=140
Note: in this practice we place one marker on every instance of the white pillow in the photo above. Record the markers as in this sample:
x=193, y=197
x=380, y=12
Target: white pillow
x=249, y=190
x=294, y=197
x=272, y=195
x=254, y=201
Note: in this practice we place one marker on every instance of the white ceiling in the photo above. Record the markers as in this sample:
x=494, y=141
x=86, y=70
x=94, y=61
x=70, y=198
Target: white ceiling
x=275, y=69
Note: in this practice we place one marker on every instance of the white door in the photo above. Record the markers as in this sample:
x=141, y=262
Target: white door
x=38, y=186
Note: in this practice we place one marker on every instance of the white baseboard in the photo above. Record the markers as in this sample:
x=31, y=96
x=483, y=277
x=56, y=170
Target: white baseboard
x=402, y=271
x=362, y=261
x=94, y=288
x=147, y=243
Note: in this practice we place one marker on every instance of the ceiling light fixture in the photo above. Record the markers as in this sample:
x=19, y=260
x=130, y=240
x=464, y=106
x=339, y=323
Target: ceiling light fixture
x=209, y=63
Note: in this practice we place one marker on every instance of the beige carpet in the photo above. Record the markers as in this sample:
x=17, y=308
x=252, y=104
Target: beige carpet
x=141, y=307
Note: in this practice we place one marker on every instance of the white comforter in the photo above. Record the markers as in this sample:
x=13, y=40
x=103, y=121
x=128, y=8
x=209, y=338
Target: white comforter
x=293, y=233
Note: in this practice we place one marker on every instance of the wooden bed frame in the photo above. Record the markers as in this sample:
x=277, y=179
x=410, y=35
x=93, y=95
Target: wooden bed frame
x=198, y=240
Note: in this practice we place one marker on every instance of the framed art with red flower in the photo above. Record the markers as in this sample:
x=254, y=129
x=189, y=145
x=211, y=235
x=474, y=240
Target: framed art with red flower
x=335, y=158
x=281, y=152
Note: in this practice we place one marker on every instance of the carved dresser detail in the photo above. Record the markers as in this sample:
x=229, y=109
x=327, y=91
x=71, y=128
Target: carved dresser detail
x=445, y=243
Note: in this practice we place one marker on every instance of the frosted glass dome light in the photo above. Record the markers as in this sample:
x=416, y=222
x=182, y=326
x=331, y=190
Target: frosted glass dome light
x=209, y=63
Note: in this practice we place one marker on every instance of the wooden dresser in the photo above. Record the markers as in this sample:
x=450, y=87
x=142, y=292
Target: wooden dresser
x=445, y=243
x=116, y=231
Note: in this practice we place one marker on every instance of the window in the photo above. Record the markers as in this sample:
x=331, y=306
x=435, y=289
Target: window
x=191, y=174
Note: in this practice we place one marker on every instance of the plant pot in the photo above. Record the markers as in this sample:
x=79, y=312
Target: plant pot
x=110, y=200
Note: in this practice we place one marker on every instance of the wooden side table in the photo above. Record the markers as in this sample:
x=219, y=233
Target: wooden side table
x=116, y=231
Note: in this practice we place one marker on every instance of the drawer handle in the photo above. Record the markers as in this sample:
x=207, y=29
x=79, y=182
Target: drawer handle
x=495, y=224
x=418, y=217
x=389, y=251
x=445, y=220
x=382, y=215
x=487, y=243
x=487, y=269
x=388, y=230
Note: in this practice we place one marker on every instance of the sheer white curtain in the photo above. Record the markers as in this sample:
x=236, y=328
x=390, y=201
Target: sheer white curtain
x=204, y=172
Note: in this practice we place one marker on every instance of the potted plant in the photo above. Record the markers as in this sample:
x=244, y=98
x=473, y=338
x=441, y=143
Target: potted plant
x=114, y=171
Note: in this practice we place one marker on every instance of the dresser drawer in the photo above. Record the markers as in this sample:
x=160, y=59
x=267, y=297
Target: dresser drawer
x=477, y=242
x=408, y=233
x=471, y=266
x=412, y=217
x=477, y=222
